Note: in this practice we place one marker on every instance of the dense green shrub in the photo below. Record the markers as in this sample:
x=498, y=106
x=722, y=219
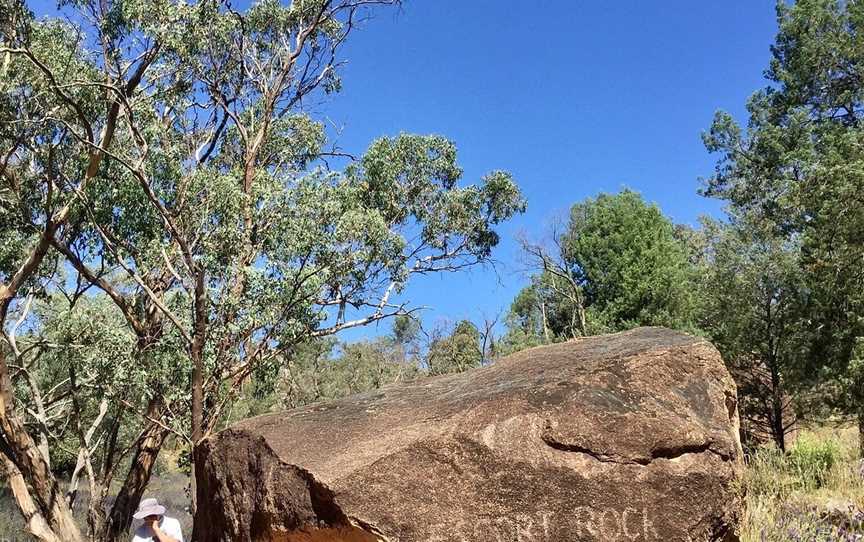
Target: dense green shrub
x=811, y=460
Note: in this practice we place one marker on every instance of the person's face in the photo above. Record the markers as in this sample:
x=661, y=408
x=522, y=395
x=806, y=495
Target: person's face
x=151, y=518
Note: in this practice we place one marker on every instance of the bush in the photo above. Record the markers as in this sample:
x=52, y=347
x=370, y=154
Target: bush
x=807, y=466
x=811, y=461
x=813, y=493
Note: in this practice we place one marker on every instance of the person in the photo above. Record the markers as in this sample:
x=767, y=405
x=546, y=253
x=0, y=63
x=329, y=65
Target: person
x=157, y=527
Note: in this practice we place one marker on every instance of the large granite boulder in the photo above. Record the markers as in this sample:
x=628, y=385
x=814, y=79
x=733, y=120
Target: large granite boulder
x=630, y=437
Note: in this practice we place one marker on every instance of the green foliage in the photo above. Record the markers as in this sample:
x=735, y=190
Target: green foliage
x=525, y=323
x=798, y=166
x=216, y=178
x=753, y=298
x=526, y=311
x=323, y=369
x=816, y=496
x=406, y=330
x=810, y=464
x=811, y=460
x=762, y=477
x=457, y=352
x=634, y=270
x=618, y=264
x=308, y=374
x=516, y=339
x=34, y=135
x=91, y=340
x=368, y=365
x=540, y=314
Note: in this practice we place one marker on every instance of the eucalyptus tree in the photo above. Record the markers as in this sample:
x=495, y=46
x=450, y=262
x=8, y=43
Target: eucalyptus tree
x=456, y=352
x=798, y=164
x=50, y=154
x=324, y=369
x=165, y=152
x=555, y=300
x=550, y=309
x=82, y=391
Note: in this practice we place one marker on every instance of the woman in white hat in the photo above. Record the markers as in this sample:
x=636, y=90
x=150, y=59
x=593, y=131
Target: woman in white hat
x=157, y=527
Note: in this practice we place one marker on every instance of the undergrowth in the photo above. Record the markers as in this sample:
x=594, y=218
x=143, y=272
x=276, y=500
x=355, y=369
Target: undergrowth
x=813, y=493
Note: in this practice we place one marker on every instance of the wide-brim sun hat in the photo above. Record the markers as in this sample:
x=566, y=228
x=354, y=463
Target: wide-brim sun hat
x=149, y=507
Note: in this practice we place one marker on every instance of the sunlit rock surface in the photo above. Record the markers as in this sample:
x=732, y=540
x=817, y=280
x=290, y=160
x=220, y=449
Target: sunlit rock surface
x=632, y=436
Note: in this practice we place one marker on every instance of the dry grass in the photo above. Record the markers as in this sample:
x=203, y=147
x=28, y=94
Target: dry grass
x=813, y=493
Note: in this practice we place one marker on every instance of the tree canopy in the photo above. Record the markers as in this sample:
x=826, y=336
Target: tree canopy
x=633, y=268
x=798, y=166
x=164, y=154
x=618, y=263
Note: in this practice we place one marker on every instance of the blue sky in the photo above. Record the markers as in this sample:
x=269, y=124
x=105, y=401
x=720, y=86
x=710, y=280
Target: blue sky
x=572, y=97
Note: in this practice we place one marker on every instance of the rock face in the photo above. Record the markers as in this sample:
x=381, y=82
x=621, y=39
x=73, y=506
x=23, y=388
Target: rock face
x=625, y=437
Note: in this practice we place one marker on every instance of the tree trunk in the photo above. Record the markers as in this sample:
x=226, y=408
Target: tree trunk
x=583, y=320
x=143, y=461
x=197, y=393
x=545, y=326
x=35, y=523
x=37, y=488
x=861, y=434
x=196, y=352
x=197, y=411
x=778, y=428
